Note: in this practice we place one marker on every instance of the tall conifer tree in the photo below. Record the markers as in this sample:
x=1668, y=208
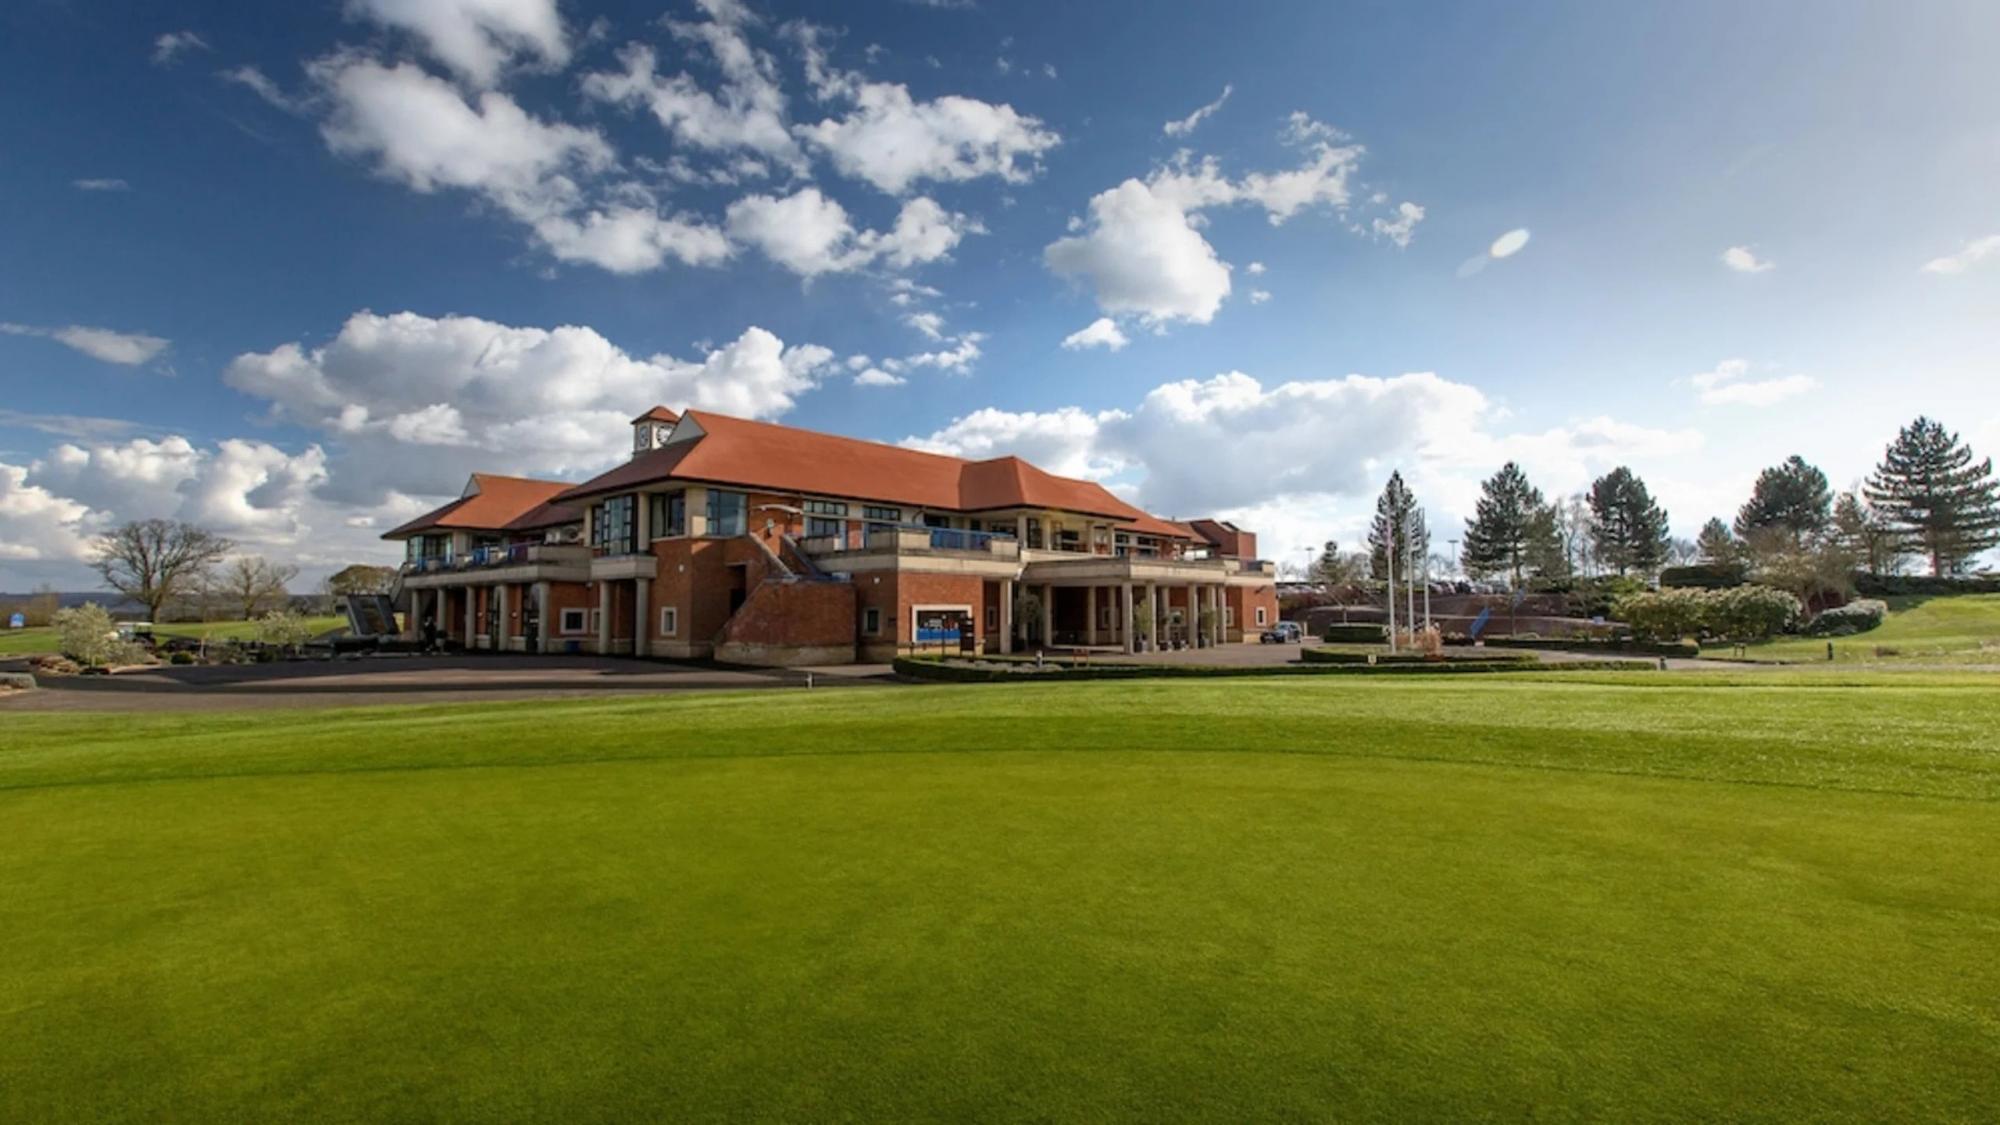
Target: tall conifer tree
x=1511, y=526
x=1940, y=502
x=1628, y=527
x=1397, y=508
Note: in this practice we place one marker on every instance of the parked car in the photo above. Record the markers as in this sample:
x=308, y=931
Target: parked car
x=1283, y=633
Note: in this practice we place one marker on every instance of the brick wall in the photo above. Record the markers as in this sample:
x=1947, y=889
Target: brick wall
x=792, y=623
x=1244, y=600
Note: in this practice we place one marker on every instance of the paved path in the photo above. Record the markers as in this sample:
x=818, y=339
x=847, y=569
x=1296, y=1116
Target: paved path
x=378, y=680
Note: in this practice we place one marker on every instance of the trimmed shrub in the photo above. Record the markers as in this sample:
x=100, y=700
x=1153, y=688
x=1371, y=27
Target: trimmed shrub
x=1335, y=656
x=1857, y=616
x=1356, y=633
x=1704, y=576
x=1626, y=645
x=1904, y=585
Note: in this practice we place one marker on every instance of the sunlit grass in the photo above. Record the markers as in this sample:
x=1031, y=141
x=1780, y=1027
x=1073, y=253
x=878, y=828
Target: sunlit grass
x=1963, y=629
x=1760, y=895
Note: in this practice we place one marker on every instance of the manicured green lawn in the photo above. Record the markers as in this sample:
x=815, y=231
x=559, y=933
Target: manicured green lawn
x=16, y=642
x=1963, y=629
x=1762, y=896
x=239, y=630
x=19, y=642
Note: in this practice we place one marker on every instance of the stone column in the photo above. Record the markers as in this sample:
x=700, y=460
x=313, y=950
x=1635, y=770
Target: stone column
x=1215, y=620
x=1125, y=610
x=1090, y=615
x=604, y=618
x=544, y=612
x=1153, y=631
x=1191, y=621
x=443, y=620
x=641, y=628
x=505, y=639
x=471, y=615
x=1006, y=615
x=1048, y=616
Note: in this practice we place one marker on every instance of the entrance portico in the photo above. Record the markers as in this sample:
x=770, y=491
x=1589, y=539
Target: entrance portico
x=1071, y=592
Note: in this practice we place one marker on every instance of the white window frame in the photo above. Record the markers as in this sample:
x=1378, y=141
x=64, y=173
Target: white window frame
x=871, y=621
x=1229, y=615
x=564, y=627
x=917, y=612
x=1260, y=617
x=670, y=621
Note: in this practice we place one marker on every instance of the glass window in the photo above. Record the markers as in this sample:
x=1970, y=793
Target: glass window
x=1034, y=533
x=728, y=512
x=670, y=621
x=871, y=621
x=614, y=529
x=1260, y=615
x=825, y=517
x=881, y=523
x=574, y=620
x=669, y=514
x=932, y=519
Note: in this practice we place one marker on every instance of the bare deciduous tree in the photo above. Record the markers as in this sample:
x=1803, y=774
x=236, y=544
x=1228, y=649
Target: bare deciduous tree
x=254, y=584
x=151, y=561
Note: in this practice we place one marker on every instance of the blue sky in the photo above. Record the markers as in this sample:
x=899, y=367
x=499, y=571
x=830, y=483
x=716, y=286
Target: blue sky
x=293, y=270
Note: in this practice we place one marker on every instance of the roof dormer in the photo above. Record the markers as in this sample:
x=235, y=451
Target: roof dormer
x=652, y=429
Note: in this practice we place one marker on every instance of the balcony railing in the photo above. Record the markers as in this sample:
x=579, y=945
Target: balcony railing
x=909, y=538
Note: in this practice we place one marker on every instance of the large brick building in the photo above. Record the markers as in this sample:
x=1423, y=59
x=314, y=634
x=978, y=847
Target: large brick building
x=764, y=544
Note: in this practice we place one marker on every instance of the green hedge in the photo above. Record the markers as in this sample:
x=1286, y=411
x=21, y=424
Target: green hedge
x=1361, y=633
x=1704, y=576
x=1336, y=656
x=1904, y=585
x=1628, y=646
x=957, y=672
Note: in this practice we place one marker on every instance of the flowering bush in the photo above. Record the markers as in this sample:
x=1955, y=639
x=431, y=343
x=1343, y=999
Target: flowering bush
x=1740, y=613
x=1668, y=615
x=86, y=635
x=1857, y=616
x=284, y=629
x=1750, y=613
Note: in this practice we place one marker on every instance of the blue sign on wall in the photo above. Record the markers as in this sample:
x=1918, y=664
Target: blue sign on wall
x=18, y=621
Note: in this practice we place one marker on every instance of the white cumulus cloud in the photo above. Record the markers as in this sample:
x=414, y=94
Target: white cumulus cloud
x=1142, y=257
x=413, y=404
x=477, y=39
x=1100, y=333
x=1742, y=259
x=892, y=140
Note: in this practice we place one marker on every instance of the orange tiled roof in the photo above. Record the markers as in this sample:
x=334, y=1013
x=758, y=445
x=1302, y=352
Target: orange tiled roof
x=491, y=503
x=657, y=414
x=746, y=454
